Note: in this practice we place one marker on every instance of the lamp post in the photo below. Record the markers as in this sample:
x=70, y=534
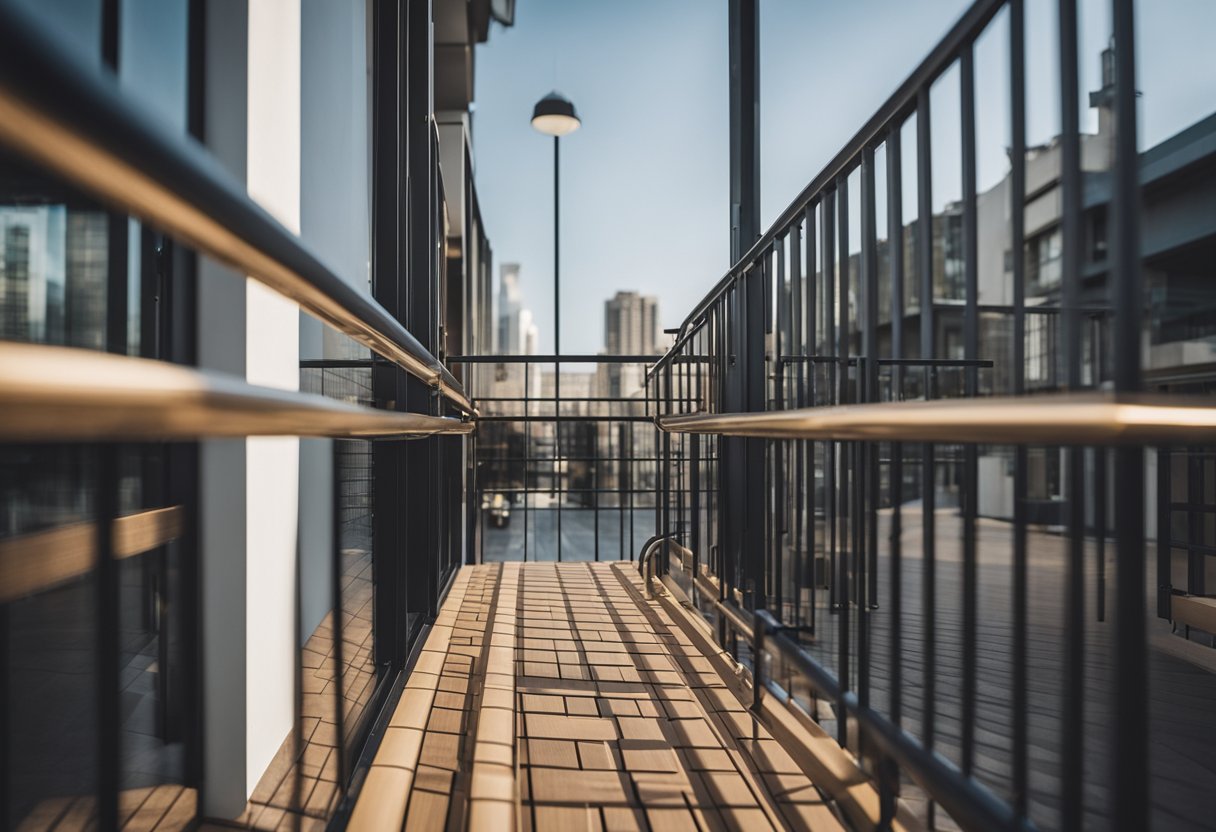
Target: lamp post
x=554, y=116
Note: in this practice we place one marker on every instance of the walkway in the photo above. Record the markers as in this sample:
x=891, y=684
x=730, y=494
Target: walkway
x=553, y=696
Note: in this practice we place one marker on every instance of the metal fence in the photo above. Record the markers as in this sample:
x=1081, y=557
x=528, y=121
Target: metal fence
x=566, y=457
x=955, y=587
x=108, y=689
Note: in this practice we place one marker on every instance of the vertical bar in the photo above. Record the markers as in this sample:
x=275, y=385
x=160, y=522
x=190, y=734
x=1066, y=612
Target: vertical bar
x=6, y=635
x=527, y=454
x=1017, y=219
x=744, y=46
x=632, y=488
x=971, y=351
x=296, y=809
x=1130, y=721
x=1195, y=558
x=758, y=628
x=867, y=376
x=798, y=555
x=895, y=246
x=109, y=717
x=781, y=342
x=695, y=487
x=1072, y=806
x=595, y=486
x=621, y=474
x=1100, y=496
x=812, y=289
x=663, y=387
x=109, y=734
x=391, y=607
x=828, y=229
x=846, y=453
x=1070, y=193
x=868, y=380
x=117, y=225
x=924, y=272
x=337, y=626
x=557, y=349
x=1165, y=588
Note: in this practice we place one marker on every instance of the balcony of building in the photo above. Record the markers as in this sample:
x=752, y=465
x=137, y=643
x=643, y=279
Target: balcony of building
x=908, y=524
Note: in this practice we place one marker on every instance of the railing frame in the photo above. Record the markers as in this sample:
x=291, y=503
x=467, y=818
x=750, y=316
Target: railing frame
x=842, y=439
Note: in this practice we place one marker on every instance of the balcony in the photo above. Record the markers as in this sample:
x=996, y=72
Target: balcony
x=908, y=524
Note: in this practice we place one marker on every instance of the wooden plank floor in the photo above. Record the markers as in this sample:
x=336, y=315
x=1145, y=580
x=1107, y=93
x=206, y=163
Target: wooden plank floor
x=554, y=697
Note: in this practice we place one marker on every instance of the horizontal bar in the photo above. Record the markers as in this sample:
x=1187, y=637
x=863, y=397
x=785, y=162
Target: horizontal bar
x=538, y=478
x=69, y=394
x=564, y=418
x=488, y=457
x=74, y=120
x=1053, y=419
x=890, y=362
x=38, y=561
x=553, y=359
x=338, y=363
x=551, y=399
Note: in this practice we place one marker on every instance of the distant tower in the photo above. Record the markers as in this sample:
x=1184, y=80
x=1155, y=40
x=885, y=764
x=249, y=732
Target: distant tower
x=631, y=324
x=15, y=285
x=510, y=333
x=631, y=327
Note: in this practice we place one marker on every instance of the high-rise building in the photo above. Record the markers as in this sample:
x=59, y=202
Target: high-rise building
x=631, y=324
x=631, y=327
x=15, y=287
x=513, y=319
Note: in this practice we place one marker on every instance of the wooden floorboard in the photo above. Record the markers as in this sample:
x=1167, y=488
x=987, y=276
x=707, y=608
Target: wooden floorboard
x=587, y=709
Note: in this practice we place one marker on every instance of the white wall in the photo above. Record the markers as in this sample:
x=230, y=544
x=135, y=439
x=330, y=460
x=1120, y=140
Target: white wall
x=272, y=332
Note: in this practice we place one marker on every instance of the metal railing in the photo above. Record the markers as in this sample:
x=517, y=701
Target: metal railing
x=851, y=380
x=60, y=113
x=565, y=466
x=44, y=390
x=103, y=484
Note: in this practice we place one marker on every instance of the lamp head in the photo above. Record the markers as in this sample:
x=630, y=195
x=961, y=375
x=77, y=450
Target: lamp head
x=554, y=115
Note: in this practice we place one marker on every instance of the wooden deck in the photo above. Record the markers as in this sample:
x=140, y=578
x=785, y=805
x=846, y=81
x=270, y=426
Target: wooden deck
x=555, y=697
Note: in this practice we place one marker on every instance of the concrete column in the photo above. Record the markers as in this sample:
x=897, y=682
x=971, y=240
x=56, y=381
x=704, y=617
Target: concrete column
x=272, y=333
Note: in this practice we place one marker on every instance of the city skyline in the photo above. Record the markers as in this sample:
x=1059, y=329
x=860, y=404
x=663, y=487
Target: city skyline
x=671, y=148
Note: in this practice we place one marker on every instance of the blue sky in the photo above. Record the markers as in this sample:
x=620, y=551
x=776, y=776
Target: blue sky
x=644, y=182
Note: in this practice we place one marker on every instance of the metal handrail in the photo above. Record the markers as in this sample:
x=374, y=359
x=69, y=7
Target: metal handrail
x=967, y=801
x=1050, y=419
x=69, y=394
x=646, y=562
x=66, y=116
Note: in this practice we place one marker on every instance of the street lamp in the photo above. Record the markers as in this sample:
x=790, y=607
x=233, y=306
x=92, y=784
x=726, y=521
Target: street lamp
x=554, y=116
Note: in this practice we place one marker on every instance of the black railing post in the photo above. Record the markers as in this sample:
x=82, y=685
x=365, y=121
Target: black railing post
x=109, y=721
x=758, y=630
x=742, y=462
x=1017, y=224
x=1130, y=722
